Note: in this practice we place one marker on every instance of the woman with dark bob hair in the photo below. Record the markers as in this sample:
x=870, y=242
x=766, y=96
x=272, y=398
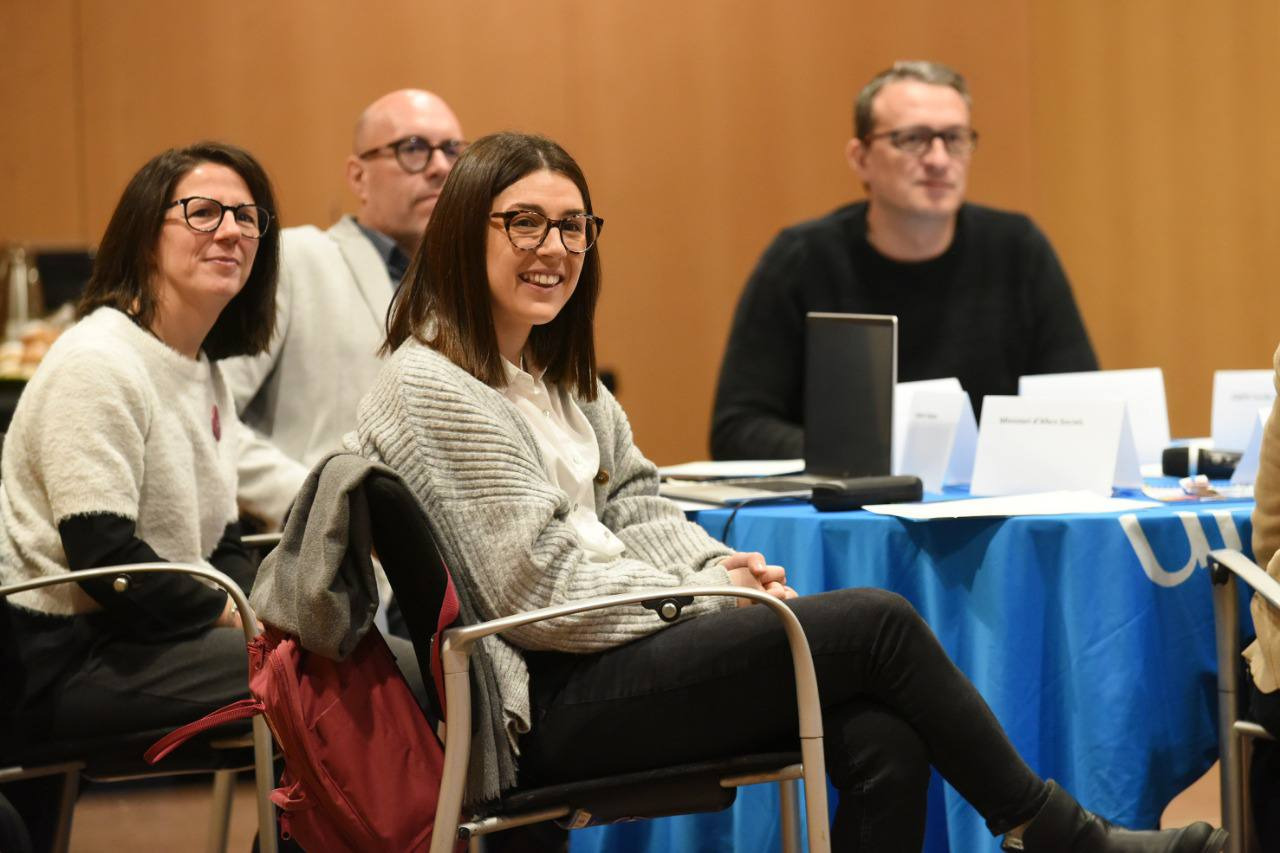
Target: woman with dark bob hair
x=491, y=411
x=123, y=449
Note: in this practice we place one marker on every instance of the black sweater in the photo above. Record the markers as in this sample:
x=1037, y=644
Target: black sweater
x=995, y=306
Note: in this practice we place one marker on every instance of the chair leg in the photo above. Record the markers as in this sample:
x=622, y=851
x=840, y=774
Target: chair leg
x=1231, y=781
x=1226, y=619
x=789, y=804
x=1248, y=832
x=66, y=806
x=224, y=785
x=264, y=780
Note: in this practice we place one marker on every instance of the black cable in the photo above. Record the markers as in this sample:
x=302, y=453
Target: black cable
x=764, y=499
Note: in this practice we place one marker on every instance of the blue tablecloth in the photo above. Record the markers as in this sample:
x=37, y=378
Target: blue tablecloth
x=1091, y=637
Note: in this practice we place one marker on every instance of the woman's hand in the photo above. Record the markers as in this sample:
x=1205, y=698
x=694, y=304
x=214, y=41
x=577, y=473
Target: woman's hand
x=230, y=617
x=748, y=569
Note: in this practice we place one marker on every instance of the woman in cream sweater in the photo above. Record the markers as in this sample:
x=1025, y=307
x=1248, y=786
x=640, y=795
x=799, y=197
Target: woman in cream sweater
x=123, y=449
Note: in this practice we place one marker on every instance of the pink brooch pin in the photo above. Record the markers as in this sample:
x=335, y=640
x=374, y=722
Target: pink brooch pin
x=217, y=424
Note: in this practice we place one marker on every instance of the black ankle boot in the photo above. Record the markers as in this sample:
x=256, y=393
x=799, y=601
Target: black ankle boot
x=1062, y=826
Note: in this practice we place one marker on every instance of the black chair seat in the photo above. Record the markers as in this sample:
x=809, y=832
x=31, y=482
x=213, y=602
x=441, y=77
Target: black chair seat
x=665, y=791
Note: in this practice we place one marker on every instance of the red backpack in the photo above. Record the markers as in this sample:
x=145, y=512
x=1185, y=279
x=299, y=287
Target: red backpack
x=362, y=765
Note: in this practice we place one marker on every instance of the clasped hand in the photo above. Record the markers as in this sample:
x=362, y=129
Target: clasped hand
x=749, y=569
x=230, y=617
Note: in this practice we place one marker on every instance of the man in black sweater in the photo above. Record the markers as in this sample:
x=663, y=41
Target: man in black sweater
x=978, y=292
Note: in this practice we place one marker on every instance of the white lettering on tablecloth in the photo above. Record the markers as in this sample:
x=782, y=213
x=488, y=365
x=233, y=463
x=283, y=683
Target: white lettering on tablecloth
x=1196, y=540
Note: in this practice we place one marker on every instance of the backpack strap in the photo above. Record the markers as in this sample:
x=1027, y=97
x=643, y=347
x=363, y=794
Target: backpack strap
x=449, y=609
x=241, y=710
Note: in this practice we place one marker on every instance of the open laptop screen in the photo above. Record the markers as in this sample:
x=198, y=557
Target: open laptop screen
x=851, y=366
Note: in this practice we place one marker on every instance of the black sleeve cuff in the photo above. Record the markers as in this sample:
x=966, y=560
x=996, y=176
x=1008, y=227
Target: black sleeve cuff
x=154, y=604
x=232, y=559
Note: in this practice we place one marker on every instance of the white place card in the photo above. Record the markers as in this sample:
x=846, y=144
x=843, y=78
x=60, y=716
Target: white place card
x=902, y=394
x=1247, y=468
x=1043, y=444
x=942, y=436
x=1142, y=389
x=1237, y=396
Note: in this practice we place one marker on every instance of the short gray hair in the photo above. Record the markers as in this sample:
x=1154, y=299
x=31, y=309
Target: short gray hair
x=920, y=70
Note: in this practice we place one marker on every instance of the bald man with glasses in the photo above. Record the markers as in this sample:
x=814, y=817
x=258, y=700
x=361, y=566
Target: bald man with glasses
x=979, y=293
x=333, y=294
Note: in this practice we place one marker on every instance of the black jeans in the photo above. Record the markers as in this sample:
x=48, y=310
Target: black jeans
x=716, y=686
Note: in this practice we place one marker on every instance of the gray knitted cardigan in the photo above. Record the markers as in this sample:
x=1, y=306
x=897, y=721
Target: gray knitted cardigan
x=473, y=462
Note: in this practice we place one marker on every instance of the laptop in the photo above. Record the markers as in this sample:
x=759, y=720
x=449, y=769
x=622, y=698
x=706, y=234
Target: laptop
x=851, y=367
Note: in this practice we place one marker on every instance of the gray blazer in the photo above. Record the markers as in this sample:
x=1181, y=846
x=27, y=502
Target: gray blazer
x=301, y=394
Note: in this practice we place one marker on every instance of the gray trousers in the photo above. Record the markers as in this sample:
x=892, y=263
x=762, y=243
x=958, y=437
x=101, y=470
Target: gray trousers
x=127, y=685
x=67, y=681
x=72, y=679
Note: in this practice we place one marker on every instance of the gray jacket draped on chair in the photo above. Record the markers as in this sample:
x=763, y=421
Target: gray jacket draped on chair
x=318, y=584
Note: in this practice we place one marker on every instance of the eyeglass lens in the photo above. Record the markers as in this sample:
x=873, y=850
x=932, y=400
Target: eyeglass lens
x=414, y=153
x=205, y=214
x=958, y=141
x=528, y=229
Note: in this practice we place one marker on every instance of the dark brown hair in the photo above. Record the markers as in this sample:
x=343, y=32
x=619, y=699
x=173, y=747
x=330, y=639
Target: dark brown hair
x=125, y=266
x=448, y=282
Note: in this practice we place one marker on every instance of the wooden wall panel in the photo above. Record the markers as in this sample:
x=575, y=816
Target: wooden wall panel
x=41, y=175
x=704, y=127
x=738, y=117
x=1153, y=124
x=1137, y=134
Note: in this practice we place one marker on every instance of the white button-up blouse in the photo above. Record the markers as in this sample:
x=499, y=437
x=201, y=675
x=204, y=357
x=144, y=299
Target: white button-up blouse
x=569, y=452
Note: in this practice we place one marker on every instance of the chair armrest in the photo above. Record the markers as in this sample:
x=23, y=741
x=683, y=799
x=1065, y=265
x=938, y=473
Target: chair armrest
x=1225, y=565
x=1248, y=571
x=248, y=618
x=455, y=651
x=260, y=541
x=463, y=638
x=457, y=643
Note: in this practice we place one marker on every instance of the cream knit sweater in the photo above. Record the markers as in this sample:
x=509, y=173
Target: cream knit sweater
x=115, y=421
x=1264, y=653
x=469, y=456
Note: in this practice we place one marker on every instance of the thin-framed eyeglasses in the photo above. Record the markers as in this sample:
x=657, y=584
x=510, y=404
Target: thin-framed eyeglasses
x=527, y=229
x=205, y=214
x=413, y=153
x=918, y=139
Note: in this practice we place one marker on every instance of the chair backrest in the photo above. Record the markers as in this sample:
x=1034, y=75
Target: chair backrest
x=407, y=550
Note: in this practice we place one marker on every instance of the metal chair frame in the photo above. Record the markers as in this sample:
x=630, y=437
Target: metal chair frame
x=1234, y=735
x=457, y=645
x=223, y=785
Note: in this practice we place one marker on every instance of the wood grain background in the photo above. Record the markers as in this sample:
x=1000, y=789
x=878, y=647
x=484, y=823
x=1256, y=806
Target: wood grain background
x=1142, y=135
